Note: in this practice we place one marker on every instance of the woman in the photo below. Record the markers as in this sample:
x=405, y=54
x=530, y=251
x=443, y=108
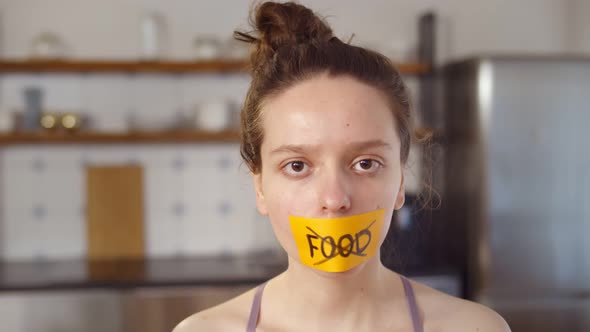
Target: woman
x=326, y=134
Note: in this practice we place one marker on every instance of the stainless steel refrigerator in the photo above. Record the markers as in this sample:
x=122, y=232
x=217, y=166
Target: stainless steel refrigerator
x=516, y=195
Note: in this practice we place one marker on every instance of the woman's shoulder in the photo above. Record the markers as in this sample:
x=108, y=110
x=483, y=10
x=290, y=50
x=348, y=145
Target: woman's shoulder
x=449, y=313
x=231, y=315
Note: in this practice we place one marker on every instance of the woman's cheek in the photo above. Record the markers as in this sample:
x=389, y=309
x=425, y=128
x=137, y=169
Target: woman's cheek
x=283, y=205
x=280, y=205
x=289, y=201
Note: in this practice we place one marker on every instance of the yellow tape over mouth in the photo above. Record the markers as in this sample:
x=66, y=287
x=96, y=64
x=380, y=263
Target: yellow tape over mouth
x=337, y=244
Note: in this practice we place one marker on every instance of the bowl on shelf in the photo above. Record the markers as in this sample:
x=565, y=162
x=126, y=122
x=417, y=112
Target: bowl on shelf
x=214, y=115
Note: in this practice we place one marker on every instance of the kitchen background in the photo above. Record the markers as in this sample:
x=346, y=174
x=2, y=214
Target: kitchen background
x=197, y=195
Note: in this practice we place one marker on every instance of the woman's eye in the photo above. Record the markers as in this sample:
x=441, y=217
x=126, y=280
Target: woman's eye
x=367, y=165
x=295, y=167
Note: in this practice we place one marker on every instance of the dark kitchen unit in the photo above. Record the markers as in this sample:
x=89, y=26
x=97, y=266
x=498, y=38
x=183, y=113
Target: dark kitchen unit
x=413, y=247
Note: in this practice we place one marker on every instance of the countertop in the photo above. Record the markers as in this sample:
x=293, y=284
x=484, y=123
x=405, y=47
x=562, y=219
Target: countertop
x=223, y=270
x=129, y=274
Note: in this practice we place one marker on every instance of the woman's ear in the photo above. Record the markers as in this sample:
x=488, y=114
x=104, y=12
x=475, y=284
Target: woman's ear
x=260, y=202
x=401, y=196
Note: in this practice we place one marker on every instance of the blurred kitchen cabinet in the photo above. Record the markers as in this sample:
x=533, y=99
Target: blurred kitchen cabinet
x=68, y=311
x=161, y=309
x=114, y=198
x=546, y=314
x=137, y=310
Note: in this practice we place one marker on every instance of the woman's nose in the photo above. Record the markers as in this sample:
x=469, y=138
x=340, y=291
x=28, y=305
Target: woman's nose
x=334, y=193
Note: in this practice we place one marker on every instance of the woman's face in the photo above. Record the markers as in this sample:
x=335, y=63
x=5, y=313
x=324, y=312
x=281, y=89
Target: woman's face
x=330, y=149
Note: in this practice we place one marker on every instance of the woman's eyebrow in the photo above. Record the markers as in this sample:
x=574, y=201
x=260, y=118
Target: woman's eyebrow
x=355, y=146
x=294, y=148
x=376, y=143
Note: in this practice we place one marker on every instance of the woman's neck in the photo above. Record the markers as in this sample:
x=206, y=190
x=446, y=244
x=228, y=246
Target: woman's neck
x=349, y=298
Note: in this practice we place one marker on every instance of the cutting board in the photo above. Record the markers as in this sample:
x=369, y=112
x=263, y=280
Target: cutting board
x=115, y=212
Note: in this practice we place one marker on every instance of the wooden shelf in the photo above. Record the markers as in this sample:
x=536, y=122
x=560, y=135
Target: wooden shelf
x=140, y=137
x=113, y=66
x=162, y=67
x=176, y=137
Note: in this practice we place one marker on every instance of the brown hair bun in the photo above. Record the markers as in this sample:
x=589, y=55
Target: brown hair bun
x=280, y=25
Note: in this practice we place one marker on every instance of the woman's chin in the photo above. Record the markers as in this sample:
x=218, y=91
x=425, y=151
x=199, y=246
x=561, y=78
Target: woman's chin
x=335, y=275
x=340, y=274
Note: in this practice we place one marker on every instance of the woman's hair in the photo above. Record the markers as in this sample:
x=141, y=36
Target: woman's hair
x=291, y=44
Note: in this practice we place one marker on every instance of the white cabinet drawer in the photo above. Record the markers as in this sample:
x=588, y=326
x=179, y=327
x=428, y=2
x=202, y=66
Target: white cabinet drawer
x=71, y=311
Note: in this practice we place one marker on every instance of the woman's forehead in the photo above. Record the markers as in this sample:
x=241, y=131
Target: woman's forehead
x=324, y=90
x=327, y=110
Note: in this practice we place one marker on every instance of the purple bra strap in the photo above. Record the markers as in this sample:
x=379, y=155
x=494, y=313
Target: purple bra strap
x=416, y=319
x=255, y=311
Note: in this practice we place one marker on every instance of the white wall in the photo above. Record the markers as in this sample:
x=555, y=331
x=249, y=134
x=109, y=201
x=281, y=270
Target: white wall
x=110, y=28
x=466, y=27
